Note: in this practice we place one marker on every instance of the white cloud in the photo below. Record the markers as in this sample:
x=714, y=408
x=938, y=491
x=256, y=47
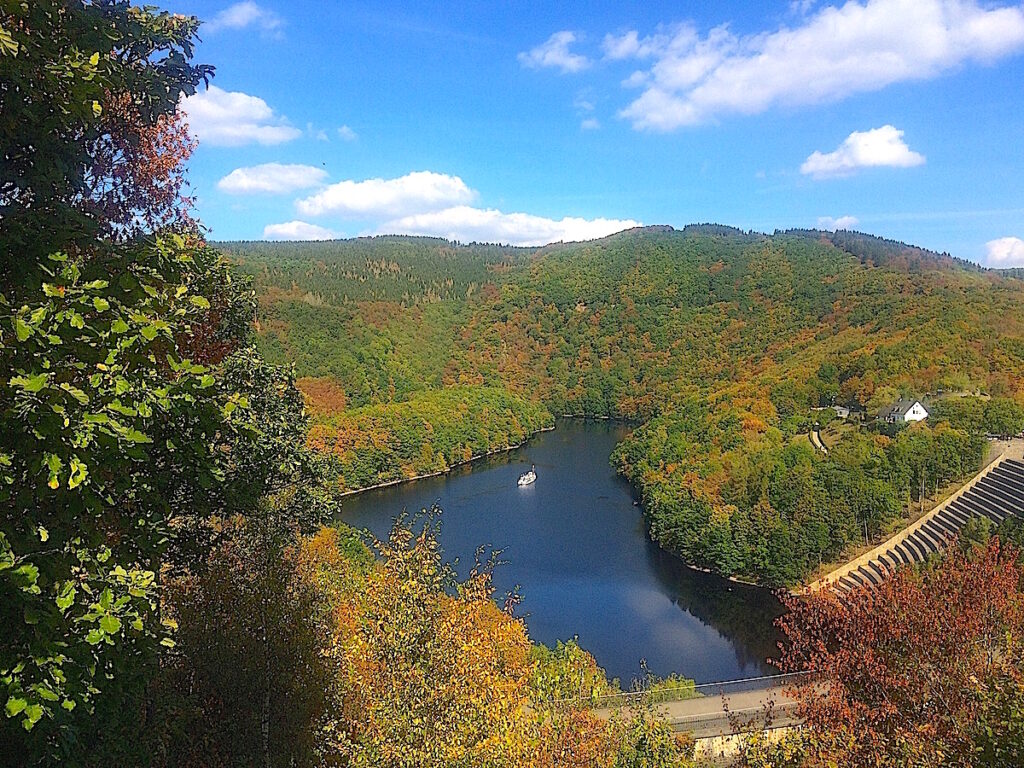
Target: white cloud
x=297, y=230
x=831, y=54
x=863, y=149
x=1005, y=252
x=630, y=45
x=416, y=192
x=830, y=224
x=316, y=133
x=590, y=124
x=233, y=119
x=242, y=15
x=467, y=224
x=554, y=52
x=274, y=178
x=347, y=134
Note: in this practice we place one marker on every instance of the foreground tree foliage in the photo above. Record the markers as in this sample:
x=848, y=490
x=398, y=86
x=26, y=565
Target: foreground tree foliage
x=107, y=160
x=925, y=670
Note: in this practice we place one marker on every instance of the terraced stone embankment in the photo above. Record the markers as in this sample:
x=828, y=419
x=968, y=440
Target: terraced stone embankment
x=997, y=492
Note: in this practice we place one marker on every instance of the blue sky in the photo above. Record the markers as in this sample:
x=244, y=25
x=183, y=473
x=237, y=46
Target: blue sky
x=530, y=123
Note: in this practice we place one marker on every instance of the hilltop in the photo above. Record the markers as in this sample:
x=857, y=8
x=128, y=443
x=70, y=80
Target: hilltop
x=718, y=343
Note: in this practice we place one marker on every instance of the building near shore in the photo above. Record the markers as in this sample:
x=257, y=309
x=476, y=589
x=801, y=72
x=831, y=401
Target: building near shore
x=904, y=411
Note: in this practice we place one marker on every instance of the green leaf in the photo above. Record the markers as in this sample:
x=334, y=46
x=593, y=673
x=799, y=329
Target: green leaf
x=46, y=694
x=79, y=472
x=22, y=329
x=101, y=305
x=110, y=624
x=32, y=383
x=66, y=598
x=44, y=535
x=119, y=326
x=28, y=575
x=200, y=301
x=14, y=706
x=94, y=637
x=150, y=332
x=137, y=437
x=76, y=393
x=33, y=713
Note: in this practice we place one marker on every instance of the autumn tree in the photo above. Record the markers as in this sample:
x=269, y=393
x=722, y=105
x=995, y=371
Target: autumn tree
x=433, y=673
x=112, y=149
x=922, y=670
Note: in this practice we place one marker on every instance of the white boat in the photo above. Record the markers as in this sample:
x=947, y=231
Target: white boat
x=528, y=477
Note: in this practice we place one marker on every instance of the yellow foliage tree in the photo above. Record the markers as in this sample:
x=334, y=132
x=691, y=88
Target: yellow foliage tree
x=432, y=672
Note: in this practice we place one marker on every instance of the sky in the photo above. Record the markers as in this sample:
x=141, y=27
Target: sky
x=530, y=123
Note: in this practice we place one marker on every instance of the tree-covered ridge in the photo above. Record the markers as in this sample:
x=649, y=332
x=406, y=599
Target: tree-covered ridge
x=723, y=342
x=409, y=270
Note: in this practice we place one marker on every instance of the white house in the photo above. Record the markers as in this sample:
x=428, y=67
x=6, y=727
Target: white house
x=904, y=411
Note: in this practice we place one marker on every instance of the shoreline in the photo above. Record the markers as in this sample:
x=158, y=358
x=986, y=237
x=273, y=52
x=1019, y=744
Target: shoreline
x=470, y=460
x=579, y=416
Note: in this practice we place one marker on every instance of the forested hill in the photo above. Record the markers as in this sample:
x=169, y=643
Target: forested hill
x=719, y=342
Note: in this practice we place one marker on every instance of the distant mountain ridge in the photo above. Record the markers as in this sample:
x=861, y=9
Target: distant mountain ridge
x=873, y=249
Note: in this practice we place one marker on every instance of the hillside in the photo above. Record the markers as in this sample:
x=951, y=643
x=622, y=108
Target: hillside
x=716, y=341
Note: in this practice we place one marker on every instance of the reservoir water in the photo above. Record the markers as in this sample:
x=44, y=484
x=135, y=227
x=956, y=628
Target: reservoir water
x=577, y=547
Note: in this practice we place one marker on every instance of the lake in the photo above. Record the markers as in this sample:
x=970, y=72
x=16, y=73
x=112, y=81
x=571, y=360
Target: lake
x=578, y=549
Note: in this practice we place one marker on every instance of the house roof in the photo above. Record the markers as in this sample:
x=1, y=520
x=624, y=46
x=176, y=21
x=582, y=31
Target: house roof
x=902, y=406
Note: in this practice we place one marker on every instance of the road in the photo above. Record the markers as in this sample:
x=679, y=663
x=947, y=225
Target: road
x=713, y=715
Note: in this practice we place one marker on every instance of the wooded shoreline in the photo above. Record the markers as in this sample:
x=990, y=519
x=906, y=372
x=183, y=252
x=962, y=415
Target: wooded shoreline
x=470, y=460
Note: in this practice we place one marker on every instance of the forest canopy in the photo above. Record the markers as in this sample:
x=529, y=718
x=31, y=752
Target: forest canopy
x=724, y=347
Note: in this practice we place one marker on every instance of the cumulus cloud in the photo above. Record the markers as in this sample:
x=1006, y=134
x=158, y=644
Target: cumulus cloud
x=297, y=230
x=830, y=54
x=1005, y=252
x=554, y=52
x=243, y=15
x=275, y=178
x=880, y=147
x=467, y=224
x=590, y=124
x=830, y=224
x=233, y=119
x=416, y=192
x=347, y=134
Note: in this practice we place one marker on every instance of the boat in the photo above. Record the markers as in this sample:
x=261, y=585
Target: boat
x=528, y=477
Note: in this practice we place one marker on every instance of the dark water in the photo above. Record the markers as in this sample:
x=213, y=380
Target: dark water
x=578, y=550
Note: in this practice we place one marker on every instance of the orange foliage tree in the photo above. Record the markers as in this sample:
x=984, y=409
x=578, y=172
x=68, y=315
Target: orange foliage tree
x=136, y=180
x=924, y=670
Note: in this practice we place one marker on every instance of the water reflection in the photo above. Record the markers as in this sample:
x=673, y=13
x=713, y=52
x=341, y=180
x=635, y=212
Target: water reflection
x=577, y=548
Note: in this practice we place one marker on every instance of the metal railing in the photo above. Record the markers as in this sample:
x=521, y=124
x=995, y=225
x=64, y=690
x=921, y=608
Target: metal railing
x=657, y=695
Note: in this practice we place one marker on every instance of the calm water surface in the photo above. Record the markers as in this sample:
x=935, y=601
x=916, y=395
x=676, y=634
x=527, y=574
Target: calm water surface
x=578, y=549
